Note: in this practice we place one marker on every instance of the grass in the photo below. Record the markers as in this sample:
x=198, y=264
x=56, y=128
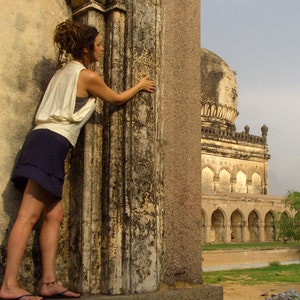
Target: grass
x=231, y=246
x=274, y=273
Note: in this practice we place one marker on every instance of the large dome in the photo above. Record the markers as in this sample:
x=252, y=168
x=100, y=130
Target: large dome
x=219, y=97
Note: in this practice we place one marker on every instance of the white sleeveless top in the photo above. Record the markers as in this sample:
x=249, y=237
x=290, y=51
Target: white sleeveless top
x=56, y=111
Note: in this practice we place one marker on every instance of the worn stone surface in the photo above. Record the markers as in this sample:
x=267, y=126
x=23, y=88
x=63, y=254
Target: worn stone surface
x=180, y=111
x=142, y=181
x=203, y=292
x=132, y=219
x=27, y=62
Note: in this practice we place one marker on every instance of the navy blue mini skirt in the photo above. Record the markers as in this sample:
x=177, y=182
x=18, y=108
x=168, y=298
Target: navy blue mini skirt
x=42, y=160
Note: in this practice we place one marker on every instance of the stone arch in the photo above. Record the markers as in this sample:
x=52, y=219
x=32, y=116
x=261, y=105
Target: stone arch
x=218, y=226
x=224, y=177
x=237, y=226
x=284, y=216
x=207, y=179
x=241, y=182
x=286, y=213
x=256, y=183
x=203, y=225
x=253, y=226
x=270, y=230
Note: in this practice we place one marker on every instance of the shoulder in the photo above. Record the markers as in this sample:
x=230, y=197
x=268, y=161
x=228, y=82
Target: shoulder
x=85, y=73
x=89, y=76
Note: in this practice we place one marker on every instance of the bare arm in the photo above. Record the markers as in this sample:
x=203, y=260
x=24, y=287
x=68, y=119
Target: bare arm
x=91, y=83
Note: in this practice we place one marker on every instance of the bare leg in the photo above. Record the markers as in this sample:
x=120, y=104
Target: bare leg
x=53, y=214
x=35, y=201
x=29, y=213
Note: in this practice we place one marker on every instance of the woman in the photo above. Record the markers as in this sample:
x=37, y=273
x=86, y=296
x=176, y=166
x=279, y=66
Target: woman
x=66, y=106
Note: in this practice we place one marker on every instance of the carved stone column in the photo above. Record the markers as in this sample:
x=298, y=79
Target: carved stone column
x=86, y=179
x=142, y=173
x=262, y=236
x=120, y=190
x=208, y=233
x=113, y=227
x=139, y=205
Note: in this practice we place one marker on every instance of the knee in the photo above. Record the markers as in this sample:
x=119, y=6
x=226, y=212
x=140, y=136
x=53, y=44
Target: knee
x=54, y=216
x=59, y=216
x=28, y=219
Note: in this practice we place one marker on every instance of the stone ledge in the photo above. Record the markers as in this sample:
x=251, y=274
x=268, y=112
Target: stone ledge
x=247, y=258
x=204, y=292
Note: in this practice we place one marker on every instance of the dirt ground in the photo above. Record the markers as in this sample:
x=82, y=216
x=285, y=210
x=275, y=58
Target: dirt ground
x=247, y=292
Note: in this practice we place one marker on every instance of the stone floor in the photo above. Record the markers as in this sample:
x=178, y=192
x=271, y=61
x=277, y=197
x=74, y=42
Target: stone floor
x=203, y=292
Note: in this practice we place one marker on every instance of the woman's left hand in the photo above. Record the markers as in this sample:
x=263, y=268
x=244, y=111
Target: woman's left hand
x=147, y=84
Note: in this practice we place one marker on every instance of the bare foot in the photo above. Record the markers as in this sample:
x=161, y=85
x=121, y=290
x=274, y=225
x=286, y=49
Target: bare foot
x=16, y=292
x=53, y=289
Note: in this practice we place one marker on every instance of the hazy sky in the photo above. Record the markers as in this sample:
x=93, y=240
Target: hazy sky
x=260, y=40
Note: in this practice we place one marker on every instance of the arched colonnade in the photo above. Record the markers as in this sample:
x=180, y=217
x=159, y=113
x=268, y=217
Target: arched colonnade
x=221, y=225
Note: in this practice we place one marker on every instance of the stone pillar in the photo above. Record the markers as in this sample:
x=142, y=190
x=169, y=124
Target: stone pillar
x=246, y=231
x=227, y=233
x=216, y=183
x=233, y=185
x=208, y=233
x=243, y=231
x=249, y=186
x=180, y=114
x=262, y=236
x=132, y=194
x=139, y=203
x=120, y=244
x=85, y=179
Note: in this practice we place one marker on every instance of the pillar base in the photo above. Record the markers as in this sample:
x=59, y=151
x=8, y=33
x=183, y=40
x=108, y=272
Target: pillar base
x=203, y=292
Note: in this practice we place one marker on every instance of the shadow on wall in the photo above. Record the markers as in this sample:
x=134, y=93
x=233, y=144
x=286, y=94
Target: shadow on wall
x=42, y=73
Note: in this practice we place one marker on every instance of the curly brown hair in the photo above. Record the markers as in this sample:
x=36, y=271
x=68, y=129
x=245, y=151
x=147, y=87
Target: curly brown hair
x=72, y=37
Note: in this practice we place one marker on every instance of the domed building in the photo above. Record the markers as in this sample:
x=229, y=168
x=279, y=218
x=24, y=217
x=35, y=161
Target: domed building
x=235, y=200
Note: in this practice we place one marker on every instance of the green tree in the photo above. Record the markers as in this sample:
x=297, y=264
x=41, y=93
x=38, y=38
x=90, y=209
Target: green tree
x=290, y=226
x=292, y=200
x=297, y=226
x=286, y=227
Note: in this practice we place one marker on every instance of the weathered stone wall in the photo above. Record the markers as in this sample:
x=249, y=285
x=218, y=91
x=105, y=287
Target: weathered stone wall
x=149, y=165
x=27, y=61
x=132, y=192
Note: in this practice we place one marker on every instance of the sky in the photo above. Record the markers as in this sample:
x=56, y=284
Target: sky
x=260, y=41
